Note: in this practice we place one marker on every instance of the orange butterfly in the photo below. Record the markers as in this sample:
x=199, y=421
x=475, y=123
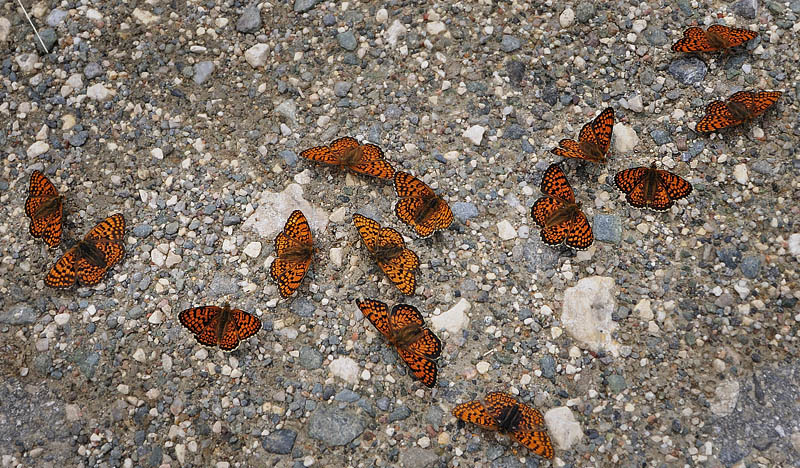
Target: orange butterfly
x=557, y=214
x=295, y=251
x=741, y=107
x=44, y=207
x=387, y=248
x=593, y=141
x=405, y=330
x=648, y=187
x=502, y=412
x=219, y=326
x=89, y=260
x=716, y=37
x=419, y=207
x=349, y=153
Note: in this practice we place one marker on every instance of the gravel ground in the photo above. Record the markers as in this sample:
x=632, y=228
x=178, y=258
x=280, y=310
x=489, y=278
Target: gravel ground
x=672, y=341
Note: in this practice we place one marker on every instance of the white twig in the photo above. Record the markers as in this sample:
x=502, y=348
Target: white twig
x=34, y=27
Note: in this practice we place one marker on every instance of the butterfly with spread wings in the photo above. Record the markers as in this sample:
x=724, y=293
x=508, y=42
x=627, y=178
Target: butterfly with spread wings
x=405, y=329
x=593, y=141
x=347, y=152
x=44, y=207
x=387, y=248
x=419, y=206
x=295, y=250
x=559, y=217
x=741, y=107
x=503, y=413
x=88, y=261
x=716, y=37
x=219, y=326
x=648, y=187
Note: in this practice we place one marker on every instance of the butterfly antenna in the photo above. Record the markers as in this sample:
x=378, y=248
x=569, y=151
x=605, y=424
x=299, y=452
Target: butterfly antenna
x=34, y=27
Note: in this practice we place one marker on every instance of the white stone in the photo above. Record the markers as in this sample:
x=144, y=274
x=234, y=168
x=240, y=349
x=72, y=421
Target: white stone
x=505, y=230
x=482, y=367
x=99, y=92
x=639, y=25
x=61, y=319
x=303, y=178
x=644, y=310
x=156, y=317
x=38, y=149
x=625, y=138
x=72, y=412
x=474, y=134
x=253, y=249
x=338, y=215
x=566, y=18
x=26, y=62
x=586, y=313
x=145, y=17
x=257, y=55
x=5, y=29
x=157, y=257
x=172, y=259
x=455, y=319
x=42, y=134
x=123, y=389
x=740, y=174
x=563, y=427
x=336, y=256
x=274, y=209
x=796, y=441
x=635, y=103
x=93, y=14
x=726, y=394
x=435, y=27
x=794, y=245
x=75, y=81
x=153, y=393
x=139, y=355
x=381, y=16
x=345, y=368
x=180, y=453
x=394, y=32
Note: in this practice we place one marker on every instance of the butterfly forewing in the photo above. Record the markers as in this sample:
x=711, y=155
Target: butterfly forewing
x=557, y=214
x=593, y=140
x=419, y=207
x=387, y=248
x=44, y=206
x=294, y=247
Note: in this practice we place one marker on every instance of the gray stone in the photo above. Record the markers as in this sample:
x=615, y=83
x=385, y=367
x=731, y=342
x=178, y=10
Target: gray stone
x=656, y=36
x=584, y=12
x=136, y=312
x=89, y=364
x=221, y=285
x=302, y=6
x=310, y=358
x=750, y=266
x=433, y=416
x=328, y=19
x=202, y=71
x=514, y=132
x=607, y=228
x=93, y=70
x=548, y=366
x=289, y=157
x=55, y=17
x=288, y=109
x=746, y=8
x=280, y=441
x=418, y=457
x=347, y=40
x=688, y=70
x=509, y=43
x=79, y=139
x=616, y=383
x=400, y=413
x=49, y=38
x=347, y=395
x=464, y=210
x=341, y=88
x=142, y=230
x=303, y=307
x=515, y=70
x=19, y=314
x=250, y=21
x=333, y=426
x=660, y=136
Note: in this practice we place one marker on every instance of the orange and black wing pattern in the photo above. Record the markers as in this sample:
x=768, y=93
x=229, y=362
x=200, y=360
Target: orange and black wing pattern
x=419, y=207
x=593, y=140
x=390, y=253
x=215, y=326
x=347, y=152
x=557, y=214
x=648, y=187
x=736, y=110
x=715, y=38
x=294, y=249
x=90, y=259
x=44, y=206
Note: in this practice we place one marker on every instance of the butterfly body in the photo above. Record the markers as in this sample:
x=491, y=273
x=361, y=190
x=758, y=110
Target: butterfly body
x=387, y=248
x=558, y=215
x=219, y=326
x=44, y=206
x=295, y=250
x=347, y=152
x=593, y=140
x=739, y=108
x=419, y=206
x=648, y=187
x=502, y=412
x=88, y=260
x=716, y=37
x=404, y=328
